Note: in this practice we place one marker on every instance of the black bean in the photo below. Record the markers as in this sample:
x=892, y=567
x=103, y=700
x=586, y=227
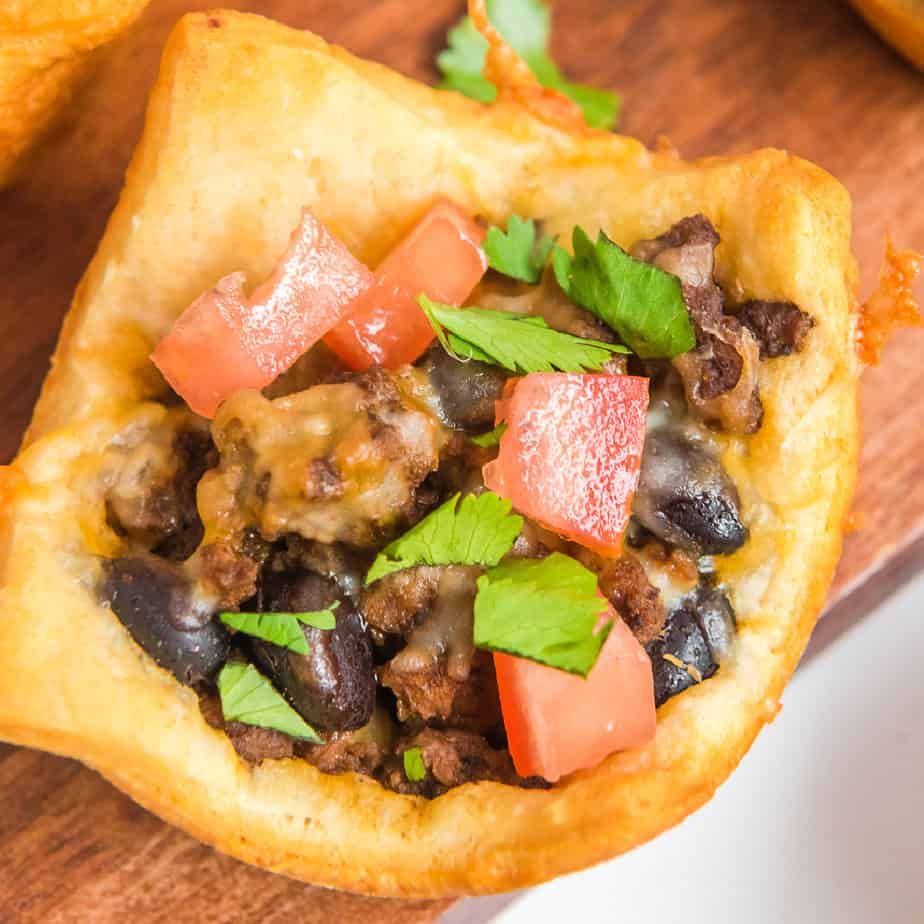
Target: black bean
x=698, y=634
x=333, y=686
x=717, y=619
x=686, y=498
x=153, y=601
x=465, y=391
x=683, y=639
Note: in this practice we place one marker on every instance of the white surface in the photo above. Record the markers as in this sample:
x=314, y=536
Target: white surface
x=822, y=822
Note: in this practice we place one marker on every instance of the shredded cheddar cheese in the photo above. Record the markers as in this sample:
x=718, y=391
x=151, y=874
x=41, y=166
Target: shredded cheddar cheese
x=891, y=305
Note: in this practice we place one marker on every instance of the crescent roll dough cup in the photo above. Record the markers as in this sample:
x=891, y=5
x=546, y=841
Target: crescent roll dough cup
x=249, y=122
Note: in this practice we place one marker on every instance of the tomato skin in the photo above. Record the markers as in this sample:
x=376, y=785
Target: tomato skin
x=224, y=342
x=557, y=722
x=441, y=257
x=571, y=454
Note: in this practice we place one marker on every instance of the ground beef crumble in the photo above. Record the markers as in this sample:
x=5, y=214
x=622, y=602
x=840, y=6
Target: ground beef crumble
x=624, y=583
x=252, y=743
x=720, y=373
x=451, y=757
x=780, y=327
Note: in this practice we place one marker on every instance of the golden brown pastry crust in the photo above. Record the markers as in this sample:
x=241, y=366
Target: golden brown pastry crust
x=900, y=23
x=250, y=121
x=45, y=45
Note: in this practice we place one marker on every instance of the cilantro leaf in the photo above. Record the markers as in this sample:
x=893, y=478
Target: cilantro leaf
x=463, y=60
x=526, y=25
x=545, y=610
x=642, y=303
x=491, y=438
x=479, y=531
x=281, y=629
x=248, y=697
x=414, y=767
x=517, y=253
x=517, y=342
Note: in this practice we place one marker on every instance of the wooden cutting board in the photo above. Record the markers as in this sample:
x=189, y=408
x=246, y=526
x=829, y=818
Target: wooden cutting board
x=714, y=76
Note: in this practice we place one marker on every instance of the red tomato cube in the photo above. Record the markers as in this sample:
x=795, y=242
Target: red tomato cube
x=442, y=258
x=571, y=454
x=225, y=342
x=558, y=722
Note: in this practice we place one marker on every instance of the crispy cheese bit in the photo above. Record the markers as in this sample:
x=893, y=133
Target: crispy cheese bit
x=515, y=82
x=892, y=304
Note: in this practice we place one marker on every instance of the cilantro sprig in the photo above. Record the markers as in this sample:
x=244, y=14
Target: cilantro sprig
x=545, y=610
x=526, y=25
x=414, y=767
x=516, y=252
x=642, y=303
x=491, y=438
x=283, y=629
x=478, y=531
x=520, y=343
x=248, y=697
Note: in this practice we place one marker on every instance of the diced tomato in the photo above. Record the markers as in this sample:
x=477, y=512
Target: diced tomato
x=558, y=723
x=441, y=257
x=225, y=342
x=571, y=454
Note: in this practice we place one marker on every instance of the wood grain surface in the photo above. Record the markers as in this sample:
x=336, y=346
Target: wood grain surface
x=714, y=76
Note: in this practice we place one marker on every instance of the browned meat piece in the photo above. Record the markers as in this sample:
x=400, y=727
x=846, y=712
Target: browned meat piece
x=780, y=327
x=535, y=542
x=396, y=603
x=336, y=463
x=476, y=705
x=687, y=248
x=720, y=375
x=428, y=673
x=427, y=692
x=258, y=744
x=451, y=757
x=152, y=498
x=624, y=583
x=343, y=753
x=253, y=744
x=361, y=751
x=226, y=573
x=433, y=695
x=546, y=301
x=737, y=411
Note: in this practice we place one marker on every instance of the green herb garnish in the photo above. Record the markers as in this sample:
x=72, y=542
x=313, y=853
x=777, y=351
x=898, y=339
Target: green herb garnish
x=642, y=303
x=478, y=531
x=283, y=629
x=248, y=697
x=520, y=343
x=526, y=25
x=491, y=438
x=517, y=253
x=414, y=768
x=545, y=610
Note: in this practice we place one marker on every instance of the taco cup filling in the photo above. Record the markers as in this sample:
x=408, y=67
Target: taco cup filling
x=455, y=518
